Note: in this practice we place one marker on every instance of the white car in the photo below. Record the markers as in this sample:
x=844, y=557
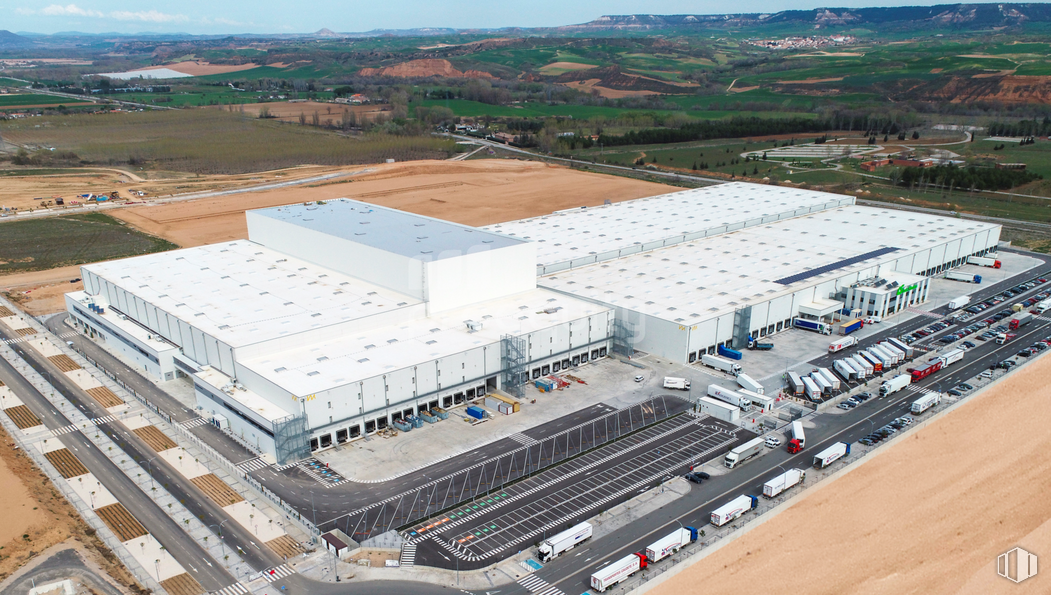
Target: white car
x=640, y=378
x=773, y=442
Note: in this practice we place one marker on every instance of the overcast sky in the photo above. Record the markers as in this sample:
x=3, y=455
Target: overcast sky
x=272, y=16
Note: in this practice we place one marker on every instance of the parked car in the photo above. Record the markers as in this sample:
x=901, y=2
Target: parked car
x=640, y=378
x=773, y=441
x=694, y=477
x=954, y=392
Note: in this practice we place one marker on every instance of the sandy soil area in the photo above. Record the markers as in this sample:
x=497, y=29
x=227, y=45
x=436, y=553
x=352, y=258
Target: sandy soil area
x=593, y=85
x=40, y=292
x=327, y=112
x=929, y=515
x=477, y=193
x=556, y=68
x=18, y=510
x=202, y=68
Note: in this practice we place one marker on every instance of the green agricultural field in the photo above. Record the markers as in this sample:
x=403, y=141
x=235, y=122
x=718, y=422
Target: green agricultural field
x=24, y=99
x=1037, y=157
x=39, y=244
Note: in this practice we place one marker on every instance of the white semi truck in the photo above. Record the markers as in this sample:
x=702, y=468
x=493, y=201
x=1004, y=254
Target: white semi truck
x=733, y=509
x=925, y=402
x=895, y=384
x=811, y=389
x=845, y=370
x=557, y=545
x=775, y=486
x=671, y=543
x=831, y=454
x=842, y=343
x=951, y=357
x=618, y=571
x=676, y=383
x=729, y=396
x=744, y=452
x=746, y=381
x=719, y=363
x=957, y=303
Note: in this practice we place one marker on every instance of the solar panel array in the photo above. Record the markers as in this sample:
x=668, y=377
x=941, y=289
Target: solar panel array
x=834, y=266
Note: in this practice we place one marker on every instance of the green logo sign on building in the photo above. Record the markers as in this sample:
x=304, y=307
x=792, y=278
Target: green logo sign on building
x=903, y=289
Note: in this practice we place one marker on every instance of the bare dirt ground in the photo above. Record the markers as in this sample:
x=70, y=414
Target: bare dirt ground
x=556, y=68
x=811, y=81
x=327, y=112
x=594, y=85
x=41, y=292
x=203, y=68
x=18, y=510
x=476, y=193
x=929, y=515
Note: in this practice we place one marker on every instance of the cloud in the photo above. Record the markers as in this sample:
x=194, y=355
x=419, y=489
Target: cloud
x=149, y=16
x=69, y=10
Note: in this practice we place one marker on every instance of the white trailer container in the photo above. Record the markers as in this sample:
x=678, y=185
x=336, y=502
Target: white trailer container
x=951, y=357
x=676, y=383
x=965, y=277
x=617, y=572
x=858, y=368
x=890, y=357
x=957, y=303
x=747, y=382
x=744, y=452
x=553, y=547
x=902, y=346
x=925, y=402
x=719, y=363
x=830, y=377
x=845, y=370
x=733, y=509
x=984, y=261
x=729, y=396
x=719, y=409
x=864, y=363
x=811, y=389
x=819, y=379
x=884, y=361
x=782, y=482
x=762, y=403
x=669, y=544
x=895, y=384
x=795, y=383
x=899, y=356
x=831, y=454
x=798, y=436
x=842, y=343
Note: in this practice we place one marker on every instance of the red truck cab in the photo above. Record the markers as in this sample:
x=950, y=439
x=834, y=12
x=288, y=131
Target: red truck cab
x=794, y=446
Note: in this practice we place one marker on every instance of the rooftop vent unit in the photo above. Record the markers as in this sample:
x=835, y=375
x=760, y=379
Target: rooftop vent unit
x=473, y=326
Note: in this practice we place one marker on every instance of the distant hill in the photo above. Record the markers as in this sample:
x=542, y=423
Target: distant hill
x=959, y=15
x=10, y=40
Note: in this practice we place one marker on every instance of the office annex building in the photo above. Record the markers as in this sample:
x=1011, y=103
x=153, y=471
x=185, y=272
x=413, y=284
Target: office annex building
x=335, y=319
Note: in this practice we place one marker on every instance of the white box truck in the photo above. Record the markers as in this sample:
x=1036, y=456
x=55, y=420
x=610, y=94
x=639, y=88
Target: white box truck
x=729, y=396
x=719, y=363
x=957, y=303
x=761, y=403
x=965, y=277
x=895, y=384
x=951, y=357
x=744, y=452
x=925, y=402
x=733, y=509
x=845, y=370
x=811, y=390
x=557, y=545
x=719, y=409
x=823, y=385
x=676, y=383
x=746, y=381
x=669, y=544
x=842, y=343
x=830, y=377
x=984, y=261
x=617, y=572
x=782, y=482
x=831, y=454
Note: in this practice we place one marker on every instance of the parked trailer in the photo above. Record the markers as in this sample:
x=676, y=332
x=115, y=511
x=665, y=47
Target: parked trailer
x=895, y=384
x=896, y=357
x=788, y=479
x=924, y=370
x=831, y=454
x=951, y=357
x=851, y=325
x=557, y=545
x=798, y=441
x=719, y=409
x=965, y=277
x=957, y=303
x=984, y=261
x=864, y=363
x=677, y=383
x=830, y=377
x=845, y=370
x=729, y=396
x=902, y=346
x=811, y=389
x=925, y=402
x=729, y=353
x=669, y=544
x=842, y=343
x=762, y=403
x=795, y=383
x=618, y=571
x=744, y=452
x=875, y=362
x=812, y=325
x=733, y=509
x=1020, y=320
x=746, y=381
x=823, y=385
x=714, y=361
x=879, y=361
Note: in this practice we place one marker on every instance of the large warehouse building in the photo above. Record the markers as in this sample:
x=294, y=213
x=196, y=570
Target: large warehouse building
x=335, y=319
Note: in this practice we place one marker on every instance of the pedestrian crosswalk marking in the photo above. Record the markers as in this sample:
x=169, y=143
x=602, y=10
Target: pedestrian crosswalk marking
x=539, y=586
x=252, y=465
x=277, y=572
x=408, y=555
x=234, y=589
x=193, y=423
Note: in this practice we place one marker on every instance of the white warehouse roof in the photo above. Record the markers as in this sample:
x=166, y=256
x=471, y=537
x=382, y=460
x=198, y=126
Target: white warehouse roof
x=610, y=231
x=692, y=281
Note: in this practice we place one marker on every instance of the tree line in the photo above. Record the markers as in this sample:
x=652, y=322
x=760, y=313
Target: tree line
x=966, y=178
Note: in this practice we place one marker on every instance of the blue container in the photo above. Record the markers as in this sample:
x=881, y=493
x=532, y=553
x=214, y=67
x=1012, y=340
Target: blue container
x=730, y=353
x=404, y=427
x=977, y=279
x=476, y=412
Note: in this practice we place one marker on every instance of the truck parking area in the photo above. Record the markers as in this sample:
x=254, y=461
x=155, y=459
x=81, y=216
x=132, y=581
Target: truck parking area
x=513, y=518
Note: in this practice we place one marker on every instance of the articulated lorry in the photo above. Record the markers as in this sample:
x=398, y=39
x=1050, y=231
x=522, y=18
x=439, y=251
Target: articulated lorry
x=957, y=303
x=925, y=402
x=744, y=452
x=1020, y=320
x=845, y=370
x=618, y=571
x=951, y=357
x=798, y=441
x=733, y=509
x=557, y=545
x=895, y=384
x=851, y=325
x=924, y=370
x=714, y=361
x=831, y=454
x=759, y=345
x=729, y=396
x=965, y=277
x=775, y=486
x=842, y=343
x=984, y=261
x=746, y=381
x=901, y=346
x=812, y=325
x=676, y=383
x=671, y=543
